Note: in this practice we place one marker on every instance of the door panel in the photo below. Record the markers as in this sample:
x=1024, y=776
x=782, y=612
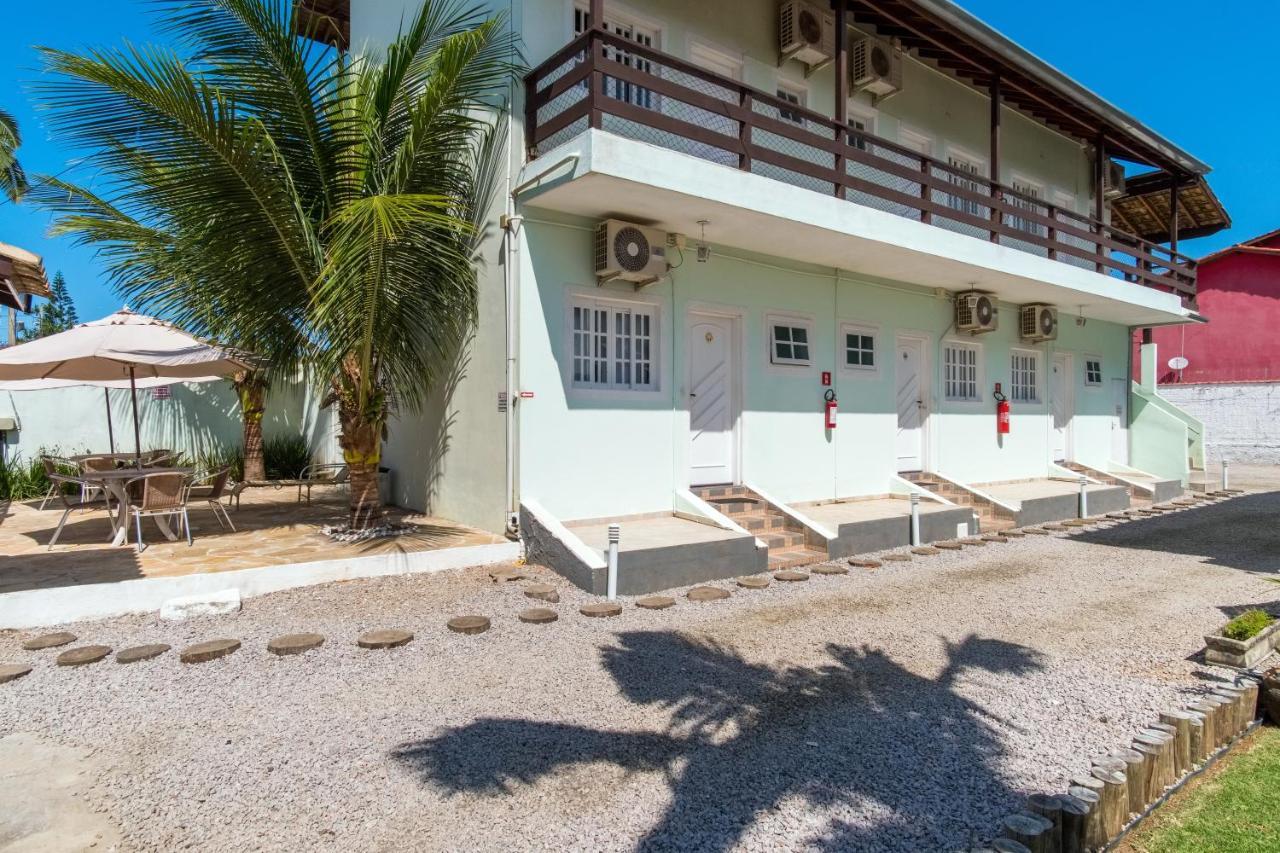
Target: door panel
x=1061, y=406
x=1120, y=421
x=909, y=373
x=712, y=404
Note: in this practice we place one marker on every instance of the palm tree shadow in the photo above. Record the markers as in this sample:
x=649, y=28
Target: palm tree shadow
x=859, y=734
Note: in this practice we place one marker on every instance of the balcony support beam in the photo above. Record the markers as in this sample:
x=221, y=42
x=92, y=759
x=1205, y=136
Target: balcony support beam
x=1173, y=214
x=1099, y=190
x=841, y=111
x=996, y=108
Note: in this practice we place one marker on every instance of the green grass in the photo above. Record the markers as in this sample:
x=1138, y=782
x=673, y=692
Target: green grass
x=1236, y=811
x=1247, y=625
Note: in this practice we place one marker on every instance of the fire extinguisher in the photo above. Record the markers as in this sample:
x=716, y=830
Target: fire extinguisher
x=1002, y=412
x=831, y=408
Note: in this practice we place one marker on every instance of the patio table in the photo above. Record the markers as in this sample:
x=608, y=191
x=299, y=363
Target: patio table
x=119, y=457
x=113, y=482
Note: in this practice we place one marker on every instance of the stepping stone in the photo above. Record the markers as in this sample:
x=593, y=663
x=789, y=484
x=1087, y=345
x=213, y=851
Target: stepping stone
x=828, y=569
x=542, y=592
x=82, y=655
x=13, y=671
x=897, y=558
x=707, y=593
x=141, y=653
x=753, y=582
x=538, y=615
x=864, y=564
x=507, y=575
x=1077, y=522
x=1011, y=534
x=385, y=638
x=790, y=576
x=1119, y=516
x=1054, y=526
x=48, y=641
x=925, y=551
x=208, y=650
x=994, y=538
x=468, y=624
x=294, y=644
x=1186, y=502
x=979, y=542
x=655, y=602
x=948, y=546
x=601, y=609
x=1036, y=531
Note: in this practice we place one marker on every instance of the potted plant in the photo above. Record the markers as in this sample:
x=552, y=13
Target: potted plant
x=1245, y=640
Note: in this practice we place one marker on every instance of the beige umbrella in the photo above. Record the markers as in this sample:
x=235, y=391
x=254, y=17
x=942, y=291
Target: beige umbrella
x=122, y=348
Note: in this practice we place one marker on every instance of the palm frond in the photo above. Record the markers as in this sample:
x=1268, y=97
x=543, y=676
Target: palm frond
x=13, y=180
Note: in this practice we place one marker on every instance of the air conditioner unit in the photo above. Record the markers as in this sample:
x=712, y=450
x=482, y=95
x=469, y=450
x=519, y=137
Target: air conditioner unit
x=629, y=252
x=875, y=66
x=976, y=312
x=1112, y=180
x=1038, y=323
x=807, y=32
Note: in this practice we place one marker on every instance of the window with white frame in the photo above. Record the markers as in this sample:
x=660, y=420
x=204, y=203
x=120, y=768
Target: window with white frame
x=963, y=164
x=864, y=123
x=613, y=345
x=647, y=36
x=1092, y=370
x=789, y=341
x=1028, y=199
x=1024, y=376
x=960, y=371
x=791, y=96
x=859, y=347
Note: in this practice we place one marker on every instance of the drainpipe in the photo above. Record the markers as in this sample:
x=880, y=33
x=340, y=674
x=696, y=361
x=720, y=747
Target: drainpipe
x=915, y=518
x=1084, y=496
x=510, y=223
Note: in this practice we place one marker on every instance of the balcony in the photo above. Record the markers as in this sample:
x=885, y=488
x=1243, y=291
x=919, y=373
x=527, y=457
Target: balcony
x=604, y=82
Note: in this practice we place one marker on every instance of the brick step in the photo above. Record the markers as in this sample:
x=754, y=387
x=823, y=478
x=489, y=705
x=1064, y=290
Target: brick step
x=792, y=557
x=766, y=522
x=777, y=540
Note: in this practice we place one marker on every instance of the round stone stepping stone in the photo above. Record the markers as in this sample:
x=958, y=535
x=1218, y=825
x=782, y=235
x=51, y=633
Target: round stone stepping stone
x=507, y=575
x=13, y=671
x=979, y=542
x=384, y=638
x=948, y=546
x=141, y=653
x=542, y=592
x=601, y=609
x=208, y=650
x=790, y=576
x=294, y=644
x=897, y=558
x=1036, y=531
x=753, y=582
x=707, y=593
x=1012, y=534
x=864, y=564
x=925, y=551
x=1002, y=540
x=468, y=624
x=828, y=569
x=1077, y=522
x=48, y=641
x=82, y=655
x=1054, y=526
x=655, y=602
x=538, y=615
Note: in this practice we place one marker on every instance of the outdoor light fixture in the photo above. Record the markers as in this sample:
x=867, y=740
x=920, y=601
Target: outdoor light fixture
x=704, y=251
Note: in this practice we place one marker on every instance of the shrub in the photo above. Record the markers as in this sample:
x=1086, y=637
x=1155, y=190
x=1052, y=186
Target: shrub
x=1247, y=625
x=284, y=456
x=24, y=481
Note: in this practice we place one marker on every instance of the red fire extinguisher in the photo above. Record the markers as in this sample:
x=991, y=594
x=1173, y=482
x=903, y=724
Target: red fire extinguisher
x=1002, y=412
x=831, y=408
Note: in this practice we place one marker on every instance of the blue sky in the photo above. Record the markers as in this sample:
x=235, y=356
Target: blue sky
x=1202, y=75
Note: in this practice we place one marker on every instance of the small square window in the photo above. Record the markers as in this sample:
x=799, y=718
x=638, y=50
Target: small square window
x=1092, y=371
x=790, y=97
x=859, y=350
x=789, y=344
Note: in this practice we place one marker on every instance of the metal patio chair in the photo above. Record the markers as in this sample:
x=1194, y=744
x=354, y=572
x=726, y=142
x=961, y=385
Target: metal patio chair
x=326, y=474
x=51, y=465
x=206, y=491
x=163, y=494
x=69, y=504
x=87, y=467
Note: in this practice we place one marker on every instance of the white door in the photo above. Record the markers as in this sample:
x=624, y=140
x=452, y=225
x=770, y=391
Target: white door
x=1120, y=421
x=1061, y=406
x=909, y=371
x=712, y=406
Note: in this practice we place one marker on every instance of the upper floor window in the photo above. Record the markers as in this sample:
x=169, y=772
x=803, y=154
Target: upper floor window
x=789, y=341
x=613, y=345
x=960, y=371
x=1092, y=371
x=971, y=166
x=1028, y=198
x=631, y=31
x=864, y=123
x=1024, y=384
x=791, y=96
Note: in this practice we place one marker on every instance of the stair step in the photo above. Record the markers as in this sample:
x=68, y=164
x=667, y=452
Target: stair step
x=766, y=521
x=783, y=540
x=791, y=557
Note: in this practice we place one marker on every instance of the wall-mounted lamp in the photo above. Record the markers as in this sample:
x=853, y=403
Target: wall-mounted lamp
x=703, y=250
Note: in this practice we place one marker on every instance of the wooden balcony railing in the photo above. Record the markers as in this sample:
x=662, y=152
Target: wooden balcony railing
x=601, y=80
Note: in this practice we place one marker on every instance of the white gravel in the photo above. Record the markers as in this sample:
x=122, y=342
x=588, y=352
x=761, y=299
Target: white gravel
x=908, y=708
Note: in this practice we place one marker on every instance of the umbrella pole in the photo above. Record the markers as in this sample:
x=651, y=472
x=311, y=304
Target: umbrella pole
x=111, y=435
x=137, y=432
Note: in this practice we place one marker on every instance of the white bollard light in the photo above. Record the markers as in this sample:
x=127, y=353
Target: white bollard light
x=615, y=534
x=915, y=518
x=1084, y=497
x=1224, y=475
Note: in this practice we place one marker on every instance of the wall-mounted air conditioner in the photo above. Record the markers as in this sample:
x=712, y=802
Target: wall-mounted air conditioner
x=1113, y=182
x=1038, y=323
x=807, y=32
x=629, y=252
x=875, y=66
x=976, y=312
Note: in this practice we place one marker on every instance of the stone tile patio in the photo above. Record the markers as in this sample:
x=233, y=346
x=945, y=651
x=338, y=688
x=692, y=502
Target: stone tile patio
x=272, y=529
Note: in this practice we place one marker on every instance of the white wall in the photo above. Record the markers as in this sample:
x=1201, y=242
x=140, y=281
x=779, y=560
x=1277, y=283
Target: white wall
x=1242, y=421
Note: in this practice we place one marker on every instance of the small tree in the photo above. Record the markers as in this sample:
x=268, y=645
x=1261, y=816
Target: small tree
x=56, y=315
x=13, y=181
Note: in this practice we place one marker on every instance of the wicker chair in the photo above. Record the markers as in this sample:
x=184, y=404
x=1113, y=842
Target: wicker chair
x=157, y=458
x=206, y=491
x=162, y=494
x=88, y=466
x=69, y=505
x=51, y=464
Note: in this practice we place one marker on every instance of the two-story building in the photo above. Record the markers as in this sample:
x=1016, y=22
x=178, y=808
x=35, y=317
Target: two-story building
x=765, y=269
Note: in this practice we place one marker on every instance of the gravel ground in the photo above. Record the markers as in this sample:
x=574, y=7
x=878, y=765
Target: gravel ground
x=906, y=708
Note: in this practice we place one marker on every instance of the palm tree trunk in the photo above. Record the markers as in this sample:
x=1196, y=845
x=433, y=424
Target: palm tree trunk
x=252, y=389
x=360, y=438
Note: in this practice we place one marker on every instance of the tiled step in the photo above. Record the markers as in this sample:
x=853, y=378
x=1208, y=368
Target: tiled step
x=758, y=522
x=781, y=540
x=791, y=557
x=779, y=532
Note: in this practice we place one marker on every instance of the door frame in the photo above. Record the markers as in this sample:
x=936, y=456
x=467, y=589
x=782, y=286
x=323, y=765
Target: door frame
x=925, y=340
x=1069, y=376
x=737, y=384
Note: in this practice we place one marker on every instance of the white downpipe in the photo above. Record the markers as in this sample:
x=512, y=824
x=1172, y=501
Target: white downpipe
x=1084, y=496
x=511, y=281
x=915, y=518
x=1225, y=480
x=615, y=534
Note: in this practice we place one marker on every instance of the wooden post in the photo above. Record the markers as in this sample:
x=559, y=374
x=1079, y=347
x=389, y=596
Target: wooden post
x=1169, y=751
x=1150, y=770
x=1252, y=688
x=1049, y=807
x=1031, y=830
x=1163, y=745
x=744, y=130
x=1115, y=799
x=1173, y=214
x=1075, y=816
x=1133, y=774
x=1197, y=736
x=1094, y=834
x=842, y=92
x=1222, y=722
x=1099, y=191
x=996, y=219
x=926, y=194
x=1181, y=722
x=595, y=14
x=1231, y=697
x=596, y=80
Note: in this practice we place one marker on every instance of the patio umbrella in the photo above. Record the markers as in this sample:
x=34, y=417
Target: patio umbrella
x=122, y=350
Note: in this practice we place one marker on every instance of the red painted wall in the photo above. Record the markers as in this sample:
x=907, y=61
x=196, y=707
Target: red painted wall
x=1240, y=294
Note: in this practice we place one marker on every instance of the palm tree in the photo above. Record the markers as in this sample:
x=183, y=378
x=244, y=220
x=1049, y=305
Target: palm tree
x=321, y=209
x=13, y=181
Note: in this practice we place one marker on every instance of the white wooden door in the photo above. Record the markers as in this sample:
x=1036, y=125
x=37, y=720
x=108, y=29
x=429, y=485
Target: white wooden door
x=1061, y=406
x=1120, y=421
x=712, y=404
x=909, y=372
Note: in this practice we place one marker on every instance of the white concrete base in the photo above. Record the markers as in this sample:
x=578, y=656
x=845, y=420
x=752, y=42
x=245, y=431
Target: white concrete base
x=211, y=604
x=42, y=607
x=1240, y=418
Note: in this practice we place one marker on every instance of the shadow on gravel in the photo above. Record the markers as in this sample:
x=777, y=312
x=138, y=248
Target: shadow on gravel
x=918, y=763
x=1241, y=533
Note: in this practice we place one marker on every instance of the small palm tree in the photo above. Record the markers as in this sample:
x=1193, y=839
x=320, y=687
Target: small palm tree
x=320, y=209
x=13, y=181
